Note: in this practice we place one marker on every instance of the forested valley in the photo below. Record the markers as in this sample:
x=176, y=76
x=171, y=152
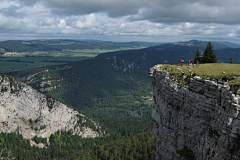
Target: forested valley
x=115, y=89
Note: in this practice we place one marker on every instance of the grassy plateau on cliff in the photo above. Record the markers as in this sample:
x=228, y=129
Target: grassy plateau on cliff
x=217, y=71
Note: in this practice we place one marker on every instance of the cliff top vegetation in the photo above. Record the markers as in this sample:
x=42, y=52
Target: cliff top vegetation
x=212, y=71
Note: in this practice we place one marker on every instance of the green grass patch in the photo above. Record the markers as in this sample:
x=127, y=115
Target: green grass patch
x=149, y=102
x=77, y=52
x=10, y=64
x=212, y=70
x=218, y=70
x=47, y=58
x=235, y=82
x=137, y=102
x=2, y=50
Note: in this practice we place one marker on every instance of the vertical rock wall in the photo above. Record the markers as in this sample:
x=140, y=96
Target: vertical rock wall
x=199, y=121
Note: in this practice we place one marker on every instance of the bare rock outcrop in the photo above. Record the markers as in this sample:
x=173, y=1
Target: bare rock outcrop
x=198, y=121
x=28, y=112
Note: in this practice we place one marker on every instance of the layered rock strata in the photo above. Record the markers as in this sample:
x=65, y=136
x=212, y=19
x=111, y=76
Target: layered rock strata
x=28, y=112
x=198, y=121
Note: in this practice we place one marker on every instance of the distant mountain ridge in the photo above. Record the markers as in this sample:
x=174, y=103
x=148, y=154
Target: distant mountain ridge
x=192, y=44
x=230, y=44
x=59, y=44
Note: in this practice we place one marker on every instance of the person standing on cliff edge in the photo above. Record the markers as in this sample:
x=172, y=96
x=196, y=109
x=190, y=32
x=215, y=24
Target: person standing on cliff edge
x=165, y=62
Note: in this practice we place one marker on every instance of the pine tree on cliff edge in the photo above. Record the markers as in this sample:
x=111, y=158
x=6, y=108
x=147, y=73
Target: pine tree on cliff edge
x=198, y=57
x=231, y=60
x=209, y=55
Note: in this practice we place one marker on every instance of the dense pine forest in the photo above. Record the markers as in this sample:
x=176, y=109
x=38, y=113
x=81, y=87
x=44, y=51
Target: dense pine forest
x=129, y=138
x=140, y=147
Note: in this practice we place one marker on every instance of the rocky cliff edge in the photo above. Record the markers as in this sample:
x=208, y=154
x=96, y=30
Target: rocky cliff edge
x=197, y=121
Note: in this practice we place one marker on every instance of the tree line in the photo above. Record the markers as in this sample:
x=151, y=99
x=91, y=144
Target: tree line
x=209, y=55
x=64, y=145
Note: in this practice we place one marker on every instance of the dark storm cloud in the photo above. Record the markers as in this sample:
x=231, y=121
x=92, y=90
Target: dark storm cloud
x=115, y=8
x=169, y=11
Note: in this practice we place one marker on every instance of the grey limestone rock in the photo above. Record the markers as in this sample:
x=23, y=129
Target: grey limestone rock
x=201, y=119
x=26, y=111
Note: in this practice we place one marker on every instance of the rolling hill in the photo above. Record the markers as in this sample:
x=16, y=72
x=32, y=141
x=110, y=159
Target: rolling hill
x=114, y=84
x=63, y=44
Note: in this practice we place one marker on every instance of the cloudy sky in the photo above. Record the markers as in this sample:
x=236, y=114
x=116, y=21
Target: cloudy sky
x=121, y=20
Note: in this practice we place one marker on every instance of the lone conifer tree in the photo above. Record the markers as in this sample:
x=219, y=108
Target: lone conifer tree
x=197, y=56
x=209, y=55
x=231, y=60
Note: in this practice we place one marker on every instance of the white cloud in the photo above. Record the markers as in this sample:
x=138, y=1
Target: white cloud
x=62, y=23
x=87, y=21
x=125, y=18
x=7, y=4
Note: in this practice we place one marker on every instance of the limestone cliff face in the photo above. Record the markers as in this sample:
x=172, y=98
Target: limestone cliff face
x=198, y=121
x=26, y=111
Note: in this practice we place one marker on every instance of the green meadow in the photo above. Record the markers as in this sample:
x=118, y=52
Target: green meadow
x=47, y=58
x=23, y=63
x=216, y=71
